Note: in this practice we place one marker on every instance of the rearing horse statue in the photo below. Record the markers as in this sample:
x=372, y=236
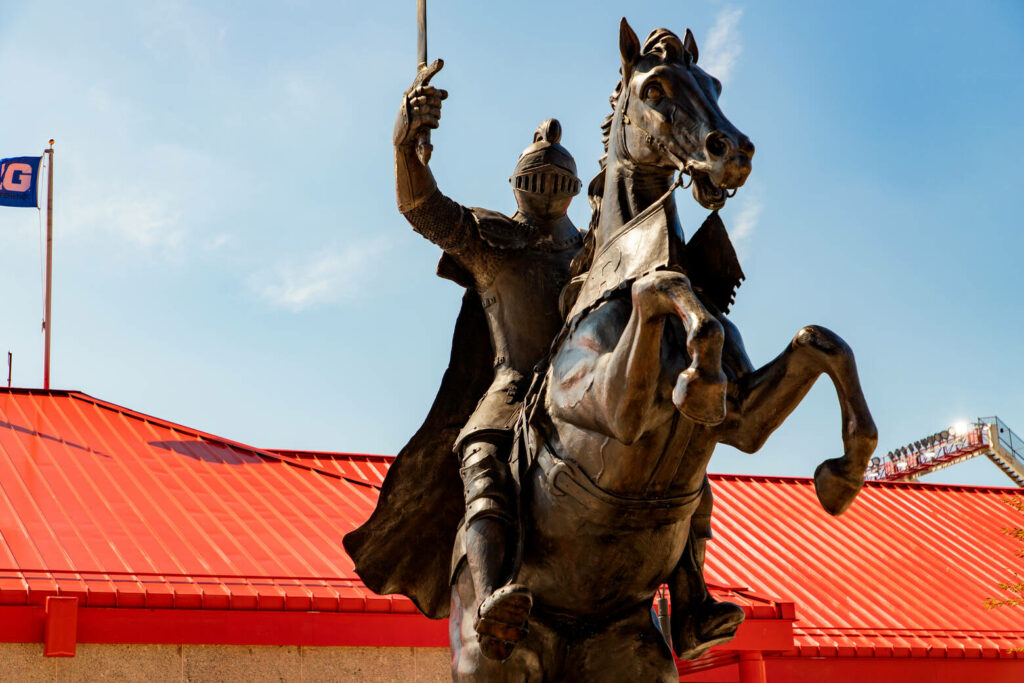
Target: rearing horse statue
x=646, y=378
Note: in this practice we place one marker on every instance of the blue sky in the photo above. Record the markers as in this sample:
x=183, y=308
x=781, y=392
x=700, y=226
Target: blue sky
x=229, y=255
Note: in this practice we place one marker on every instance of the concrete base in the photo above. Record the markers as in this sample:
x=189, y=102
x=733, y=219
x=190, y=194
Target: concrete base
x=24, y=662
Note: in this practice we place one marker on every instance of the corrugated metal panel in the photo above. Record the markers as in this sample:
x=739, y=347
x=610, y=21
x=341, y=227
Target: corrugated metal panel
x=122, y=509
x=905, y=572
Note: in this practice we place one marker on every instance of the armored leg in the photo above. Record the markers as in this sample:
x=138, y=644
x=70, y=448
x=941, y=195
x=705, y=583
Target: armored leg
x=491, y=529
x=698, y=620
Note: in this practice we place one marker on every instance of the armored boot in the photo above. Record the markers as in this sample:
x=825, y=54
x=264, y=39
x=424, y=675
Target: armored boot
x=503, y=609
x=699, y=622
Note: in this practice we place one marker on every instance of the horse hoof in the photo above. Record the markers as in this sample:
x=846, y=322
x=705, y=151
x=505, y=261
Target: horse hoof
x=700, y=399
x=502, y=621
x=715, y=624
x=835, y=491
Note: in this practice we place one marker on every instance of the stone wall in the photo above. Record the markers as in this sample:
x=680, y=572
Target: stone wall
x=24, y=663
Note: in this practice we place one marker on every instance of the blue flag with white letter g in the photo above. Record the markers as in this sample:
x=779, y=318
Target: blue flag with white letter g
x=19, y=178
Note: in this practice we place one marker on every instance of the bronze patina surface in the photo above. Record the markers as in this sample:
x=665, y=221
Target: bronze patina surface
x=560, y=476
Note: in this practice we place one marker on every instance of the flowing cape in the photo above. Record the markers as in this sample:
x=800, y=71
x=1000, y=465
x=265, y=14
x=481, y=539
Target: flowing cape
x=406, y=545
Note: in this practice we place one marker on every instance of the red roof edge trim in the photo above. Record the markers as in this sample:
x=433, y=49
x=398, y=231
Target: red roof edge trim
x=45, y=574
x=26, y=624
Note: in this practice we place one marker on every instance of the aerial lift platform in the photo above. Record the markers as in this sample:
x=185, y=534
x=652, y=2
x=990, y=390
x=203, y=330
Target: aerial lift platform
x=987, y=436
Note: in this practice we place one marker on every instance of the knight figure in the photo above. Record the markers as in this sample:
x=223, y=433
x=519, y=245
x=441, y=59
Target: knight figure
x=514, y=269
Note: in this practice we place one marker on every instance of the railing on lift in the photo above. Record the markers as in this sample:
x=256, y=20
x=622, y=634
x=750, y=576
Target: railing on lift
x=1010, y=442
x=987, y=436
x=1007, y=451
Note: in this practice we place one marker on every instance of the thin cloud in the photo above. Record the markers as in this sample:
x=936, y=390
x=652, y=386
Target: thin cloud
x=742, y=227
x=217, y=241
x=144, y=222
x=723, y=48
x=154, y=197
x=319, y=279
x=173, y=28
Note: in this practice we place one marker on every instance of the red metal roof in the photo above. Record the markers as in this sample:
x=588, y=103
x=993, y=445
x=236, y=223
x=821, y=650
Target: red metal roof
x=120, y=509
x=125, y=510
x=903, y=573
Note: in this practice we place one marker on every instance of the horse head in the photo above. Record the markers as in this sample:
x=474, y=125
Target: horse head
x=669, y=118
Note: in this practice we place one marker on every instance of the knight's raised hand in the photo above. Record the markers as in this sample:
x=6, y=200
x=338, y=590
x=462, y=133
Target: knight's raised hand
x=421, y=108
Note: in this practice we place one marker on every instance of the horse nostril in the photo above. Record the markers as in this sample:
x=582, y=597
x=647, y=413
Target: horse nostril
x=717, y=145
x=746, y=146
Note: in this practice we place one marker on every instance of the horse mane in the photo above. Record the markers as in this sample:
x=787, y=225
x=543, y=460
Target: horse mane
x=668, y=47
x=595, y=192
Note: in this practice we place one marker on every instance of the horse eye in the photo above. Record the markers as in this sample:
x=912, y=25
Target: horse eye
x=654, y=93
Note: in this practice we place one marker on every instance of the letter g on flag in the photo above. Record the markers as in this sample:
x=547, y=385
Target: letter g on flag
x=19, y=180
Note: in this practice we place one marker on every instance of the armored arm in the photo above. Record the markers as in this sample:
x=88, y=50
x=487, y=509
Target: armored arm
x=420, y=109
x=438, y=218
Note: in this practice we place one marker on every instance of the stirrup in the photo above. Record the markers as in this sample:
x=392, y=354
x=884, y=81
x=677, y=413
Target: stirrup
x=719, y=622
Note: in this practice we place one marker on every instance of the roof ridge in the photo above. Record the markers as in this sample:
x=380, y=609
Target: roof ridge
x=178, y=427
x=334, y=454
x=281, y=453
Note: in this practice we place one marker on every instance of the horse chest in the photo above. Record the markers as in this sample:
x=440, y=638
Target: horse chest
x=669, y=461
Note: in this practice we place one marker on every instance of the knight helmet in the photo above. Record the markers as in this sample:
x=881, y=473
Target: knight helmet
x=545, y=167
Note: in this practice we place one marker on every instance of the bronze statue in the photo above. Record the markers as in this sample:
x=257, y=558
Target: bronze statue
x=608, y=498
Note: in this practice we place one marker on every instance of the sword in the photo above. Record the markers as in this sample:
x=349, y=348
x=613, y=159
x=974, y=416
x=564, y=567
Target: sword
x=423, y=75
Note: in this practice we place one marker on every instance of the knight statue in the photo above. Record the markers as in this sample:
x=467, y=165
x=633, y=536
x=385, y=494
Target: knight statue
x=514, y=269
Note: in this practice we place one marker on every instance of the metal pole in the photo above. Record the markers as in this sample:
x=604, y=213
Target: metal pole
x=47, y=320
x=421, y=34
x=663, y=619
x=423, y=76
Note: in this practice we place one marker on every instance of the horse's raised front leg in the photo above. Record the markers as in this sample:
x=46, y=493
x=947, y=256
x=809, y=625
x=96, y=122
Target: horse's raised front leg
x=607, y=375
x=768, y=395
x=699, y=391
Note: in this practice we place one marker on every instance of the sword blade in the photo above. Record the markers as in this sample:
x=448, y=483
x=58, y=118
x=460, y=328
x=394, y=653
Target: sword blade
x=421, y=33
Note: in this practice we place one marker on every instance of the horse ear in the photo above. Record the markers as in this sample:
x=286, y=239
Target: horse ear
x=690, y=45
x=629, y=47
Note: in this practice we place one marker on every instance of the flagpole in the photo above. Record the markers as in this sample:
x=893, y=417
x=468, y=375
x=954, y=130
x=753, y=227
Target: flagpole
x=47, y=320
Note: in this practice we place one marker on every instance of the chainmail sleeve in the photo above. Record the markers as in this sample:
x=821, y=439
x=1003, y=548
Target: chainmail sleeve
x=443, y=221
x=453, y=227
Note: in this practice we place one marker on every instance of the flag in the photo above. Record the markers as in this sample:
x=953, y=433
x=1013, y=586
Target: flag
x=19, y=179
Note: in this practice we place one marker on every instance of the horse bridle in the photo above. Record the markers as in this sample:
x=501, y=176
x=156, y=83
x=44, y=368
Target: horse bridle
x=682, y=165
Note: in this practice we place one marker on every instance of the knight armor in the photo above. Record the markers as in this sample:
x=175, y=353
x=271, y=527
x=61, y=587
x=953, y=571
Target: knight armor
x=518, y=265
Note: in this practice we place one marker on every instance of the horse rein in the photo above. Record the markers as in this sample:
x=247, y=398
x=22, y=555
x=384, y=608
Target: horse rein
x=682, y=165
